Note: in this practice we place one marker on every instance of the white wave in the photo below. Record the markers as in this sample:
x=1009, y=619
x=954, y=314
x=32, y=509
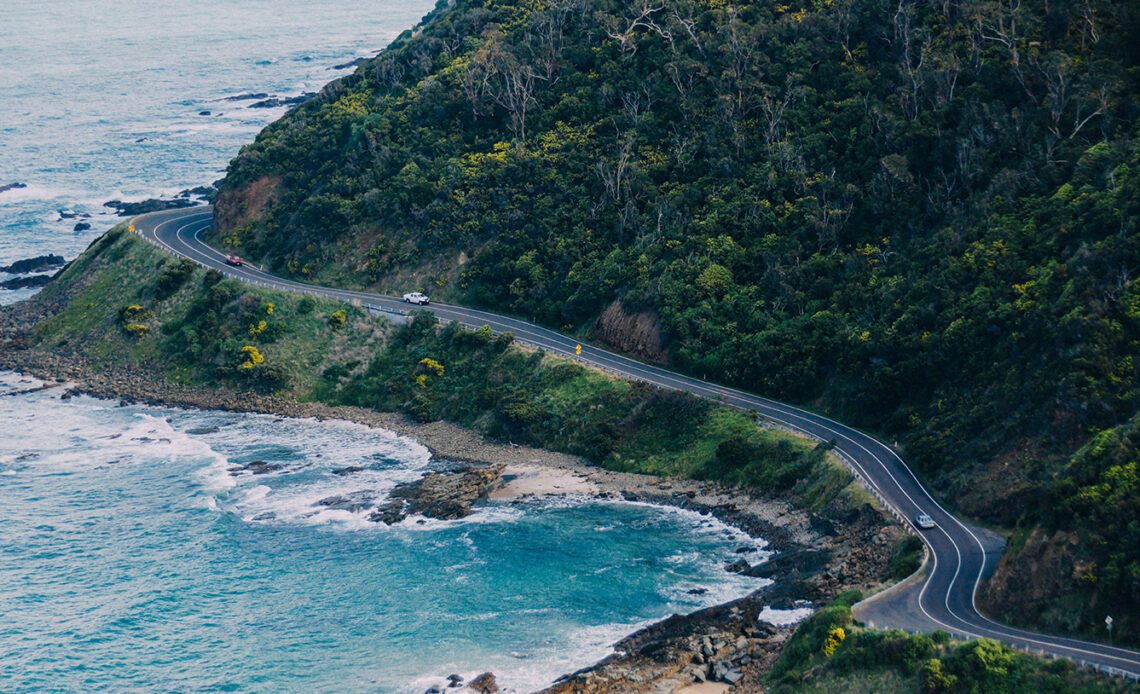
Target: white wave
x=784, y=617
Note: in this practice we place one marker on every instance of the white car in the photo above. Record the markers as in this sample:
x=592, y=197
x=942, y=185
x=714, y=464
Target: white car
x=924, y=521
x=416, y=298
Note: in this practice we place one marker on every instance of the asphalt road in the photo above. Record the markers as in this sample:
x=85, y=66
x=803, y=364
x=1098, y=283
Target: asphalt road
x=959, y=555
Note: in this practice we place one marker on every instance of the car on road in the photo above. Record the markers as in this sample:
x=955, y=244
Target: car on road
x=232, y=259
x=924, y=521
x=416, y=298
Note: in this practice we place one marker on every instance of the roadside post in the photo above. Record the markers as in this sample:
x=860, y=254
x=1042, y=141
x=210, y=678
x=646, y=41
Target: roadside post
x=1108, y=625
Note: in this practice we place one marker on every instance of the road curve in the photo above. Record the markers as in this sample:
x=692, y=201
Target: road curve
x=959, y=555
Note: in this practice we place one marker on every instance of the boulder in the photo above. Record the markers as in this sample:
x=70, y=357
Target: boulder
x=12, y=186
x=484, y=684
x=83, y=226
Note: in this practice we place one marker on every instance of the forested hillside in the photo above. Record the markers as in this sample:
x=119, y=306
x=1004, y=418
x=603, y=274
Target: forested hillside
x=917, y=216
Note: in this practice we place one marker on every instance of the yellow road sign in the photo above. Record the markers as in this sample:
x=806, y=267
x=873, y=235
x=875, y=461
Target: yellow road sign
x=578, y=350
x=131, y=228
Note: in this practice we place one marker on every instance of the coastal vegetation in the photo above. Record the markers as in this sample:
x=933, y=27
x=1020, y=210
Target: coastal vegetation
x=830, y=653
x=211, y=331
x=919, y=217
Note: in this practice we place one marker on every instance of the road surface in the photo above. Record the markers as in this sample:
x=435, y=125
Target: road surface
x=959, y=555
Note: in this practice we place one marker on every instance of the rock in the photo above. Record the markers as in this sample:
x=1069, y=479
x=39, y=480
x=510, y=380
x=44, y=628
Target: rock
x=261, y=467
x=275, y=102
x=205, y=113
x=26, y=282
x=40, y=263
x=443, y=495
x=197, y=192
x=697, y=591
x=130, y=209
x=82, y=226
x=348, y=470
x=198, y=431
x=484, y=684
x=799, y=563
x=353, y=502
x=738, y=567
x=454, y=680
x=246, y=97
x=12, y=186
x=350, y=64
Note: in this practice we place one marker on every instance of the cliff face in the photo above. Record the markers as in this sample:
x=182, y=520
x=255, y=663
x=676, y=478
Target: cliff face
x=237, y=208
x=918, y=217
x=638, y=334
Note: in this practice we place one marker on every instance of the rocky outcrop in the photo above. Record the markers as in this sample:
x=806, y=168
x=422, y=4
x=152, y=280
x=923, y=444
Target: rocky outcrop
x=726, y=644
x=26, y=282
x=41, y=263
x=443, y=495
x=635, y=333
x=350, y=64
x=130, y=209
x=12, y=186
x=277, y=101
x=257, y=96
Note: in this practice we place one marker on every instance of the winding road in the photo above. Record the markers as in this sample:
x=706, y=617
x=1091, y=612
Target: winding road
x=942, y=596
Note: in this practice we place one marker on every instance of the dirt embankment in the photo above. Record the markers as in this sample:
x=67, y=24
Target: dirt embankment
x=634, y=333
x=237, y=207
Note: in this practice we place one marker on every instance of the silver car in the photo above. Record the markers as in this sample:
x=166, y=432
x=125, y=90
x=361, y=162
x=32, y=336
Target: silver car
x=924, y=521
x=416, y=298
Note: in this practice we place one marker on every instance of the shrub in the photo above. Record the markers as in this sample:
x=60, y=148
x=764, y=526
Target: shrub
x=251, y=357
x=172, y=277
x=905, y=558
x=306, y=305
x=834, y=638
x=935, y=678
x=338, y=318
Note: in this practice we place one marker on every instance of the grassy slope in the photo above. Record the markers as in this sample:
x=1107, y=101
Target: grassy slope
x=198, y=324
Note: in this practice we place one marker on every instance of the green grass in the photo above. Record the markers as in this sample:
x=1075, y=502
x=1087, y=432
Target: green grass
x=198, y=325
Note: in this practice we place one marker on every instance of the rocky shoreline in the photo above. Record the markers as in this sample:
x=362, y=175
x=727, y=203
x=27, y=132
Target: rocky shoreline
x=816, y=557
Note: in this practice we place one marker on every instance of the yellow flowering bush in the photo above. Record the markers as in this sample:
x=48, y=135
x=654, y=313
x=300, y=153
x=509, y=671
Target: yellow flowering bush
x=251, y=357
x=834, y=637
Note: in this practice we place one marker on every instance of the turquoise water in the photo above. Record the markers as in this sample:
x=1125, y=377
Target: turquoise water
x=100, y=100
x=136, y=554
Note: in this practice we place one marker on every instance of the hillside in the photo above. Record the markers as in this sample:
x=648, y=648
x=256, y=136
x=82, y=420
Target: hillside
x=918, y=217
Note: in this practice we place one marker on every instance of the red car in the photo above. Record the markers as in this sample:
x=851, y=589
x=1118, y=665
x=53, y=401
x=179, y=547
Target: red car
x=233, y=260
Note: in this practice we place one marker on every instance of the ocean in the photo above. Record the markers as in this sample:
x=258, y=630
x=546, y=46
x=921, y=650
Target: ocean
x=103, y=100
x=136, y=552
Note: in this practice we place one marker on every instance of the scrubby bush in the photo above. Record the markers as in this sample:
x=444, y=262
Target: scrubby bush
x=174, y=274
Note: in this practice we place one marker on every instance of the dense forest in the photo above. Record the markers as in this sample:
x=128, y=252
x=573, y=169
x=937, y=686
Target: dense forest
x=917, y=216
